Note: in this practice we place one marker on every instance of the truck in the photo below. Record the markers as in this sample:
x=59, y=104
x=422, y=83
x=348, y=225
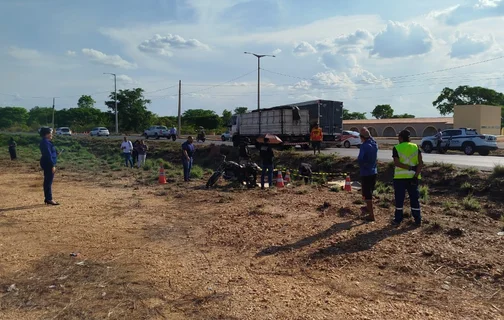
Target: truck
x=292, y=122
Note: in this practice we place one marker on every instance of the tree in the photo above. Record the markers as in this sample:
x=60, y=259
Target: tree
x=383, y=111
x=207, y=119
x=168, y=121
x=10, y=116
x=226, y=117
x=464, y=95
x=404, y=115
x=132, y=109
x=40, y=116
x=240, y=110
x=353, y=115
x=85, y=102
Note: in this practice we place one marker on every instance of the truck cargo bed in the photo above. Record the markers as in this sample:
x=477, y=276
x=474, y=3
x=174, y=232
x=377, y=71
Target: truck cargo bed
x=278, y=122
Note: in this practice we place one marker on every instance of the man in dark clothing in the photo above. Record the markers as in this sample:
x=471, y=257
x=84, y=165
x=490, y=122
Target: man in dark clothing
x=305, y=171
x=187, y=157
x=12, y=148
x=244, y=152
x=267, y=156
x=368, y=154
x=48, y=163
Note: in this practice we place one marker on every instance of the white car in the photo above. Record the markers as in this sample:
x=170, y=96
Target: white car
x=64, y=131
x=226, y=136
x=348, y=139
x=157, y=132
x=462, y=139
x=99, y=131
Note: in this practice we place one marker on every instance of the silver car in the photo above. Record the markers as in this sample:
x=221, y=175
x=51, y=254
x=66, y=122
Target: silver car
x=99, y=131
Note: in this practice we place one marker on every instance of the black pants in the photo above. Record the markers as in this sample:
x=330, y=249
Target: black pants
x=316, y=146
x=48, y=180
x=368, y=186
x=12, y=152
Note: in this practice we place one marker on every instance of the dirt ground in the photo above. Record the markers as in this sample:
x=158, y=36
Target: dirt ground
x=183, y=252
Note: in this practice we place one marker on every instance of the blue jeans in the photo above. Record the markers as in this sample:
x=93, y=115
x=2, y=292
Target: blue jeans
x=187, y=164
x=48, y=180
x=269, y=168
x=401, y=186
x=127, y=159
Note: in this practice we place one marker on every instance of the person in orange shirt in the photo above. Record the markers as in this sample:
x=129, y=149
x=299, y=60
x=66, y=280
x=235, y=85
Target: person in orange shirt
x=316, y=136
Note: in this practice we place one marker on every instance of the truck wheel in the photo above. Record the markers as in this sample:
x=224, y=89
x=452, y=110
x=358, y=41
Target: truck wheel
x=156, y=136
x=223, y=138
x=347, y=144
x=468, y=148
x=484, y=152
x=427, y=147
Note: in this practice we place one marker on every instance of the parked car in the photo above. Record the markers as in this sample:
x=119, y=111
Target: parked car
x=99, y=131
x=463, y=139
x=348, y=139
x=226, y=136
x=64, y=131
x=157, y=132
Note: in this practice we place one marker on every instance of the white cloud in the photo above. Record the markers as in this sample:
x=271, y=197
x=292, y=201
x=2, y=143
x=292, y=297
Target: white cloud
x=71, y=53
x=337, y=61
x=125, y=79
x=162, y=44
x=303, y=49
x=108, y=60
x=24, y=54
x=401, y=40
x=359, y=37
x=466, y=45
x=276, y=51
x=464, y=13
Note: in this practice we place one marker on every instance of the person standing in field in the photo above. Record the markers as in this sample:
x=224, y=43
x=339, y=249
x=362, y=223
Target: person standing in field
x=267, y=156
x=127, y=148
x=316, y=137
x=142, y=153
x=244, y=152
x=368, y=155
x=187, y=157
x=408, y=165
x=12, y=149
x=48, y=163
x=134, y=152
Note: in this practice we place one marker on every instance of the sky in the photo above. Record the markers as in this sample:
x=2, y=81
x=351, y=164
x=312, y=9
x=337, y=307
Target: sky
x=361, y=52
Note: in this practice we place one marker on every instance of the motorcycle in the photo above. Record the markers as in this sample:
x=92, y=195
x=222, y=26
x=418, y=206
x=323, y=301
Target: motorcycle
x=172, y=136
x=443, y=147
x=200, y=137
x=232, y=171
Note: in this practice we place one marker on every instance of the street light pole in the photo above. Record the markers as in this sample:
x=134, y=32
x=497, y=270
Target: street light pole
x=259, y=56
x=115, y=101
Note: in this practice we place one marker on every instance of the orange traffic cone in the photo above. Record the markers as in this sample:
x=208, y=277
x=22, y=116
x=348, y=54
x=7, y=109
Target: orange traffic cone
x=348, y=184
x=287, y=178
x=280, y=182
x=162, y=177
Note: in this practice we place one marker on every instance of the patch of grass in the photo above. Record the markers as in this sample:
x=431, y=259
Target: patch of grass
x=382, y=188
x=302, y=191
x=359, y=202
x=471, y=204
x=448, y=167
x=470, y=171
x=424, y=193
x=448, y=205
x=197, y=172
x=467, y=187
x=384, y=204
x=335, y=189
x=498, y=171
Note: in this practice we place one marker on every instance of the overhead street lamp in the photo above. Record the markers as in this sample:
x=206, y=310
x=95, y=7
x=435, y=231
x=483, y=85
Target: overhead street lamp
x=259, y=56
x=115, y=101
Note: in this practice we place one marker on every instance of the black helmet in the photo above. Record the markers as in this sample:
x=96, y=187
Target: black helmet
x=405, y=134
x=44, y=131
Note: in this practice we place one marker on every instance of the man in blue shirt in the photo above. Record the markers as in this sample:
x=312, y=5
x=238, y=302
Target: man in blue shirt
x=48, y=163
x=368, y=154
x=187, y=157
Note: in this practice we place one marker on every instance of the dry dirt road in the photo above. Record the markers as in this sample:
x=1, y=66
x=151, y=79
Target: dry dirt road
x=182, y=252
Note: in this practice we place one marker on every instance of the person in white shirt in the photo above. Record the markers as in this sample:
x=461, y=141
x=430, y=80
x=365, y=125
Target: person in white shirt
x=173, y=131
x=127, y=148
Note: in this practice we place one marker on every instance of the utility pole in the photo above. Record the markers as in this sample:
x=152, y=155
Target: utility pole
x=179, y=108
x=115, y=101
x=259, y=56
x=53, y=103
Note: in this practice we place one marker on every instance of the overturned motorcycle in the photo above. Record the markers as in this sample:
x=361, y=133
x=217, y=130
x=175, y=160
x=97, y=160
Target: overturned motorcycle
x=232, y=171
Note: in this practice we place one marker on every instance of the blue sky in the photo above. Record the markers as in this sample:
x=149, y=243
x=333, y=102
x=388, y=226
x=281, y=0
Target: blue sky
x=355, y=51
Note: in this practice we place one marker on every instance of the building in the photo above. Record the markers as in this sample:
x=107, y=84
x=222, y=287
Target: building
x=418, y=127
x=485, y=119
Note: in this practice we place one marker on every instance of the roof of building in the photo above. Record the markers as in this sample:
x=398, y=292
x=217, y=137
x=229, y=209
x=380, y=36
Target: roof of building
x=447, y=120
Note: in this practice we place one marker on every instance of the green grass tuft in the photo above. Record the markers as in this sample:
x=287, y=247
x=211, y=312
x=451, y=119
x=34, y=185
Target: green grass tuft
x=424, y=193
x=498, y=171
x=471, y=204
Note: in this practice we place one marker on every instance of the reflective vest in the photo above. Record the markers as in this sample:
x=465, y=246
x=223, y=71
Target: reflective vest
x=316, y=134
x=408, y=154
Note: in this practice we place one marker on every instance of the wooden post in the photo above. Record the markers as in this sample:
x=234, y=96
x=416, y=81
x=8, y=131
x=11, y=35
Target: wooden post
x=179, y=108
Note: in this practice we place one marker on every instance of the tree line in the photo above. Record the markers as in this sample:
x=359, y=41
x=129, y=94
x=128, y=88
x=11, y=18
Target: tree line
x=132, y=108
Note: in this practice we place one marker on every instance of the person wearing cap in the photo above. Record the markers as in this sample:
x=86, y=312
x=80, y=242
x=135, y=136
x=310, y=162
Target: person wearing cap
x=187, y=157
x=48, y=163
x=408, y=165
x=368, y=155
x=316, y=137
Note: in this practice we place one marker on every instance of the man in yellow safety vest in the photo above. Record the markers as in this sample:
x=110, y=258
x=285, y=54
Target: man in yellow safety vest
x=408, y=165
x=316, y=137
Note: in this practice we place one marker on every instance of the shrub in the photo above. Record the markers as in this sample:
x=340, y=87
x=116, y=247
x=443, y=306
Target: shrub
x=382, y=188
x=467, y=187
x=449, y=167
x=335, y=189
x=470, y=171
x=471, y=204
x=197, y=172
x=449, y=205
x=424, y=193
x=498, y=171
